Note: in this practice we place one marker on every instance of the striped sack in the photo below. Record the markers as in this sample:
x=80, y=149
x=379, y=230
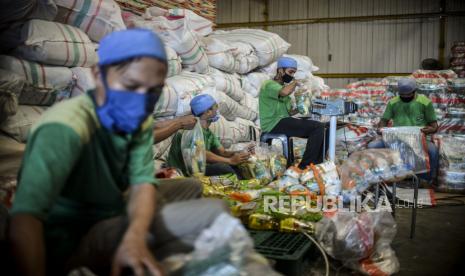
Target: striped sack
x=177, y=35
x=268, y=46
x=233, y=132
x=56, y=44
x=220, y=55
x=228, y=83
x=231, y=109
x=167, y=103
x=96, y=18
x=47, y=84
x=84, y=81
x=174, y=62
x=18, y=126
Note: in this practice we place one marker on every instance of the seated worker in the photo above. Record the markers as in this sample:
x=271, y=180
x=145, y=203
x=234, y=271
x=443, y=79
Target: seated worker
x=412, y=109
x=275, y=113
x=219, y=160
x=70, y=209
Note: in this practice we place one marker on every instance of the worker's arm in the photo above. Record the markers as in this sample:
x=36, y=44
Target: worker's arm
x=431, y=128
x=27, y=244
x=133, y=251
x=288, y=89
x=46, y=167
x=164, y=129
x=235, y=159
x=430, y=117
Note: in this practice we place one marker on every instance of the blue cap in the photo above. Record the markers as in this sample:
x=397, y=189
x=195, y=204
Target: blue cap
x=132, y=43
x=201, y=103
x=287, y=62
x=406, y=86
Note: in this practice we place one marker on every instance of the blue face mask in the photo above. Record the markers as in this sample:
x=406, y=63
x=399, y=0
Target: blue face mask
x=214, y=119
x=125, y=111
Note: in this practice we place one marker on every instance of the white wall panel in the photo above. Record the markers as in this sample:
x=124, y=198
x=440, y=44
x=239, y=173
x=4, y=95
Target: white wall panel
x=355, y=47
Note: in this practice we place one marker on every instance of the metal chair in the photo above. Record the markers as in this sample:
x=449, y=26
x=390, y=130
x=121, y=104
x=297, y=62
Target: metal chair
x=288, y=147
x=394, y=201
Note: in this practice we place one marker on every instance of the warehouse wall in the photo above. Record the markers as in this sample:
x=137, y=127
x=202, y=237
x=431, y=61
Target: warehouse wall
x=395, y=46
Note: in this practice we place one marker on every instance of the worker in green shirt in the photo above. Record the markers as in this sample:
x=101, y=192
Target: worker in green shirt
x=71, y=208
x=275, y=113
x=412, y=109
x=219, y=160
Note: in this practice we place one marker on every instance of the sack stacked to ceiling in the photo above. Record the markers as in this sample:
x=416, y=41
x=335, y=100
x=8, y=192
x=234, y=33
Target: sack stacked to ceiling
x=96, y=18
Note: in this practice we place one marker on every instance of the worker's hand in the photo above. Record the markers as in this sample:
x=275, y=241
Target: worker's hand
x=239, y=157
x=428, y=130
x=187, y=122
x=133, y=253
x=293, y=112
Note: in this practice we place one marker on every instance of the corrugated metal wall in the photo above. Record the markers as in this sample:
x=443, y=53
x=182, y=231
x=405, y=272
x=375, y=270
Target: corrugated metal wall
x=354, y=47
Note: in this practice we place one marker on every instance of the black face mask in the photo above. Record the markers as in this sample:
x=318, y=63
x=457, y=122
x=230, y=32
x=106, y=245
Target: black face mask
x=407, y=99
x=287, y=78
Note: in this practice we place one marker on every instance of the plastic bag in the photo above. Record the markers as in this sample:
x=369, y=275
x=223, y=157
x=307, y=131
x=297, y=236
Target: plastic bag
x=193, y=150
x=370, y=166
x=224, y=248
x=411, y=143
x=360, y=240
x=451, y=164
x=302, y=99
x=258, y=166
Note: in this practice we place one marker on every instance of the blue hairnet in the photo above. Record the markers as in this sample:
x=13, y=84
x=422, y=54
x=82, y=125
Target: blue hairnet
x=287, y=62
x=201, y=103
x=406, y=86
x=132, y=43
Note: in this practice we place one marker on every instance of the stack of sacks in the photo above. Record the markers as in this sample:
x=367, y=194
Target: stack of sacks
x=228, y=83
x=457, y=62
x=252, y=82
x=233, y=132
x=95, y=18
x=446, y=93
x=187, y=85
x=180, y=30
x=268, y=46
x=351, y=139
x=26, y=88
x=451, y=176
x=371, y=97
x=53, y=61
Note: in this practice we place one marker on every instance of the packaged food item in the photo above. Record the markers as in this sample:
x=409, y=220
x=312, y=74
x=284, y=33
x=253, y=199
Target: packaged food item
x=193, y=150
x=278, y=165
x=297, y=190
x=259, y=221
x=248, y=195
x=250, y=184
x=293, y=225
x=243, y=211
x=302, y=99
x=293, y=172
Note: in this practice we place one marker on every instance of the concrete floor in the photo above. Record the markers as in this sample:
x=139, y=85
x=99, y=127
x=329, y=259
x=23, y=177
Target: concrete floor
x=437, y=249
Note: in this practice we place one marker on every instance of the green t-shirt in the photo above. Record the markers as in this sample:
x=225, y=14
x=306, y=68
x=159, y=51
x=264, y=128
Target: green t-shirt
x=175, y=155
x=418, y=112
x=272, y=107
x=74, y=172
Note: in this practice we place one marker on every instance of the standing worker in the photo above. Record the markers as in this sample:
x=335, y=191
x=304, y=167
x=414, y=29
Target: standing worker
x=275, y=113
x=71, y=208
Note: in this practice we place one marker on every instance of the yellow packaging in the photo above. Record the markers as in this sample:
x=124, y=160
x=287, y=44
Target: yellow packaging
x=294, y=225
x=262, y=222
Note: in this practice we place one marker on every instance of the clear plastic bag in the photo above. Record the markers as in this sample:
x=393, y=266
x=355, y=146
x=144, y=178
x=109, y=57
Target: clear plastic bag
x=360, y=240
x=193, y=150
x=370, y=166
x=224, y=248
x=411, y=143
